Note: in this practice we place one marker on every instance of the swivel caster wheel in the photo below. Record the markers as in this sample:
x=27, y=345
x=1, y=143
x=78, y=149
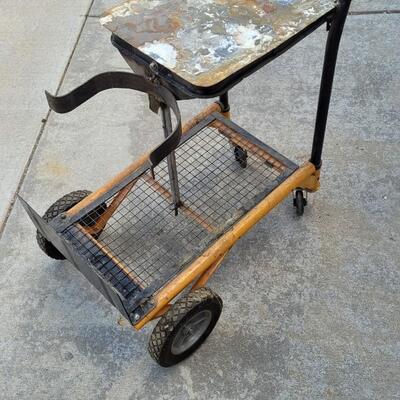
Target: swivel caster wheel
x=240, y=156
x=299, y=202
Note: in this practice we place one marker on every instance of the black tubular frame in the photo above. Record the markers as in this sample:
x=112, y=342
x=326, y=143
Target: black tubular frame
x=332, y=47
x=224, y=102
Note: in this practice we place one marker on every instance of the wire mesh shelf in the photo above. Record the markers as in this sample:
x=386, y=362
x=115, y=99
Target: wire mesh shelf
x=223, y=172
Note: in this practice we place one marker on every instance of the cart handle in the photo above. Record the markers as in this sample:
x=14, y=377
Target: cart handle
x=123, y=80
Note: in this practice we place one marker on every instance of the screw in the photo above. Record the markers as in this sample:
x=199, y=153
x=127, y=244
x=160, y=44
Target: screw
x=136, y=317
x=63, y=216
x=154, y=67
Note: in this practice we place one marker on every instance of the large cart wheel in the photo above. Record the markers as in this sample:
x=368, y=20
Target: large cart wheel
x=185, y=326
x=299, y=202
x=63, y=204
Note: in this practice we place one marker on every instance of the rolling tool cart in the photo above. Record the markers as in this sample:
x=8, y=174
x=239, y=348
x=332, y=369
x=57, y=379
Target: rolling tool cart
x=162, y=226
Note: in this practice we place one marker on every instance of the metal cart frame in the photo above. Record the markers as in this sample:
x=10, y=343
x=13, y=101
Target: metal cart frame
x=164, y=90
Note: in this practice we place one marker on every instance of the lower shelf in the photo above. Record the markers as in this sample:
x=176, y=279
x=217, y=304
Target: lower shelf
x=223, y=172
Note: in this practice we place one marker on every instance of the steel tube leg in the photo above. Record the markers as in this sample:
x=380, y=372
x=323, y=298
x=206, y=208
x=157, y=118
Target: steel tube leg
x=328, y=72
x=172, y=170
x=224, y=102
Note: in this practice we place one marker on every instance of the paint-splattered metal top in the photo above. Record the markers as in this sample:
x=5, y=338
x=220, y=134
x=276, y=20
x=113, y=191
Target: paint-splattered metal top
x=204, y=41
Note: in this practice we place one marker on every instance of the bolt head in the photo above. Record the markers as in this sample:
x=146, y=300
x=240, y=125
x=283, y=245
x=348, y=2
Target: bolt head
x=136, y=317
x=154, y=67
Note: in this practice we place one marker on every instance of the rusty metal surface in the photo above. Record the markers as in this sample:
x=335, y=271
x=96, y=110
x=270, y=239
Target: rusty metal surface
x=204, y=41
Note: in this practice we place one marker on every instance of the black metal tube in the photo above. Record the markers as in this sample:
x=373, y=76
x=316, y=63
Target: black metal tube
x=224, y=101
x=328, y=72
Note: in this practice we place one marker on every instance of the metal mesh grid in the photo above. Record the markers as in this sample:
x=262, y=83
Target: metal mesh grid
x=144, y=244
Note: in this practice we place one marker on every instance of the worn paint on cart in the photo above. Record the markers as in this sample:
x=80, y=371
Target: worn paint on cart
x=205, y=41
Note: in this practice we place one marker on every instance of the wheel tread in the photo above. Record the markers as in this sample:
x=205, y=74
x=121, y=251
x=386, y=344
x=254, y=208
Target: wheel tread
x=61, y=205
x=174, y=315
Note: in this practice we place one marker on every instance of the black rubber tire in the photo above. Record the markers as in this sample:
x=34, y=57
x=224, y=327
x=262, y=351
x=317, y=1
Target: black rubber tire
x=299, y=202
x=240, y=156
x=162, y=337
x=61, y=205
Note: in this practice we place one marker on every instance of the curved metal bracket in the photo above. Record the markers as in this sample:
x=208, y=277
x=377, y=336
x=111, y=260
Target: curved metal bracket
x=123, y=80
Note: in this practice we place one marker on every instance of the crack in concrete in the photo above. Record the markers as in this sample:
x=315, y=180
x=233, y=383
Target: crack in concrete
x=41, y=130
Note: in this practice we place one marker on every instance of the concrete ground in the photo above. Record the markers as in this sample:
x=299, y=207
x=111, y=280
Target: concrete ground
x=311, y=305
